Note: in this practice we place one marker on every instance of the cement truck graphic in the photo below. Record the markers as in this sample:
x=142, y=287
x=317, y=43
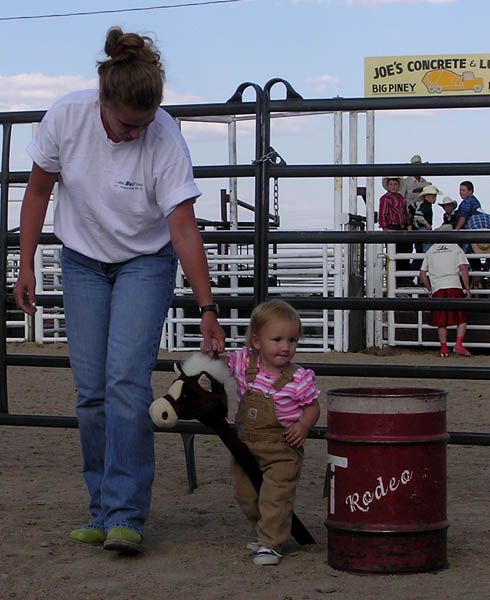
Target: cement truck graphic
x=444, y=80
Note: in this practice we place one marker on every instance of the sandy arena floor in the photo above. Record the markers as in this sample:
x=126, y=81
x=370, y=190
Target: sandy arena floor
x=195, y=543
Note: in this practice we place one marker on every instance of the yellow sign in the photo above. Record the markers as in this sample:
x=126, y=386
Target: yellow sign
x=427, y=75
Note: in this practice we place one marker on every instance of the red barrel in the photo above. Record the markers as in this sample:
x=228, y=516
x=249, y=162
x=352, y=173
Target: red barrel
x=386, y=479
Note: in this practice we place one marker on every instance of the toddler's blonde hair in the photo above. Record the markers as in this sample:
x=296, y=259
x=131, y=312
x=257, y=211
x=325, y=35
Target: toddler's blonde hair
x=271, y=309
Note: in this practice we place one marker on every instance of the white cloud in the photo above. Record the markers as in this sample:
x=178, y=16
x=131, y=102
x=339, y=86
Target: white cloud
x=198, y=131
x=171, y=97
x=322, y=83
x=35, y=91
x=281, y=125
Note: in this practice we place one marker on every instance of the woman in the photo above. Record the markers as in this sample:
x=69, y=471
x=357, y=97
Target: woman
x=124, y=215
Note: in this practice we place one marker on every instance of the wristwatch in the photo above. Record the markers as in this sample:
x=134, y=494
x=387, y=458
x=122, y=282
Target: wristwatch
x=209, y=308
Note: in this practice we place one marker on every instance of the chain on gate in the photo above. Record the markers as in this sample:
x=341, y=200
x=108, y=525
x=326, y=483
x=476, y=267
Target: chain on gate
x=274, y=158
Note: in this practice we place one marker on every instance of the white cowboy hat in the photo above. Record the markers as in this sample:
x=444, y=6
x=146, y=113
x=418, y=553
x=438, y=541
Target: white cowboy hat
x=481, y=247
x=447, y=200
x=444, y=227
x=416, y=159
x=384, y=181
x=429, y=189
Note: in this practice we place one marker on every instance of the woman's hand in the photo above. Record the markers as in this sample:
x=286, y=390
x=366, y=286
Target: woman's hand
x=213, y=334
x=25, y=292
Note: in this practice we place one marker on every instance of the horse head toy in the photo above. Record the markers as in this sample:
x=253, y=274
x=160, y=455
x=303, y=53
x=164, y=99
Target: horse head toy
x=201, y=391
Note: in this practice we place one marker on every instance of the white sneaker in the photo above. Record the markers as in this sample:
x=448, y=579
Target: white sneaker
x=253, y=546
x=266, y=556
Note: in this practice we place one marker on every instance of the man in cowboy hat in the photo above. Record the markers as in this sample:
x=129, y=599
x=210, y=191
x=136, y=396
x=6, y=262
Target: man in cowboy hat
x=413, y=184
x=394, y=216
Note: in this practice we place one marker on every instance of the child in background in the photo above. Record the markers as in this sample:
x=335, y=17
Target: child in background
x=450, y=215
x=394, y=216
x=469, y=204
x=423, y=216
x=277, y=406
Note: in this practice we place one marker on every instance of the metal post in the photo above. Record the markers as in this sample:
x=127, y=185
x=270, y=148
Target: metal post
x=370, y=249
x=39, y=314
x=4, y=196
x=233, y=187
x=353, y=160
x=260, y=270
x=391, y=286
x=352, y=211
x=338, y=284
x=261, y=275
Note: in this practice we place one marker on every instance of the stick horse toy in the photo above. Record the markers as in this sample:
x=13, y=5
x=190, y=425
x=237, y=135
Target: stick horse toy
x=200, y=392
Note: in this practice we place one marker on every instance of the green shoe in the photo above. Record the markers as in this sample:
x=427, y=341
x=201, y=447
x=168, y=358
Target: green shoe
x=123, y=539
x=88, y=535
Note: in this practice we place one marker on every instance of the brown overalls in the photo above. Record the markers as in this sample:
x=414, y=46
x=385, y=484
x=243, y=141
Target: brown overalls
x=270, y=510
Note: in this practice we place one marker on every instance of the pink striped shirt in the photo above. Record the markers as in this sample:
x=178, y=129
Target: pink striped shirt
x=288, y=401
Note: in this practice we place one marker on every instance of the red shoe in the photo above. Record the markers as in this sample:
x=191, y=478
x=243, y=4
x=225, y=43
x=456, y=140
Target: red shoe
x=461, y=350
x=444, y=353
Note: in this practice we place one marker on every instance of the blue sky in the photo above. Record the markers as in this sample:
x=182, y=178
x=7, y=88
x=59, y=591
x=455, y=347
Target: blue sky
x=319, y=46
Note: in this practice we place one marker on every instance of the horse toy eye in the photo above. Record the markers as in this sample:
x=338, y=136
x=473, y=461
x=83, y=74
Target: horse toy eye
x=163, y=411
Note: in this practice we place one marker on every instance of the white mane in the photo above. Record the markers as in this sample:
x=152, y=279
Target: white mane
x=198, y=362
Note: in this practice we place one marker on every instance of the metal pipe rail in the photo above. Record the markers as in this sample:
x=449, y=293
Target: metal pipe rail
x=297, y=104
x=322, y=170
x=194, y=427
x=314, y=237
x=320, y=369
x=188, y=430
x=312, y=302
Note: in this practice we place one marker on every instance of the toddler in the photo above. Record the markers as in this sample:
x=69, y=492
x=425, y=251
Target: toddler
x=277, y=406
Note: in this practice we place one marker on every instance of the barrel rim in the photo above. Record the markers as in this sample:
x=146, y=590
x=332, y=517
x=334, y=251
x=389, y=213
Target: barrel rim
x=387, y=392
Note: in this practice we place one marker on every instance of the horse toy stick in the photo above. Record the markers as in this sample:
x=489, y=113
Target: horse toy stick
x=200, y=392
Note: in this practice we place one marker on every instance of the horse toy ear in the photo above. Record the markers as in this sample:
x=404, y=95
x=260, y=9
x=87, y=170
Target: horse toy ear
x=216, y=371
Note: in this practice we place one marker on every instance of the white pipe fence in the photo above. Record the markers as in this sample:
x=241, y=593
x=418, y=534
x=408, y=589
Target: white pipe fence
x=296, y=272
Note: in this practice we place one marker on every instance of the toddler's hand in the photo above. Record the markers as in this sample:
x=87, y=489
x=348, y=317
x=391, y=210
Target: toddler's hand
x=295, y=434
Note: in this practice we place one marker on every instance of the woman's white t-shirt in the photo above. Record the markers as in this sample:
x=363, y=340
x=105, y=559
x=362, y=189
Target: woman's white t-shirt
x=113, y=198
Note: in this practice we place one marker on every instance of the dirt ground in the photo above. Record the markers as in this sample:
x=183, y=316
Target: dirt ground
x=195, y=543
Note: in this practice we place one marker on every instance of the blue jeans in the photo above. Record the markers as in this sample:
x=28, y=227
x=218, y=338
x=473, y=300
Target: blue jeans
x=114, y=320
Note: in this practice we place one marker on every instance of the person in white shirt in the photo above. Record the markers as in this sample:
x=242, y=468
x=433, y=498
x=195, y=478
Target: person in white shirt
x=124, y=215
x=443, y=268
x=412, y=185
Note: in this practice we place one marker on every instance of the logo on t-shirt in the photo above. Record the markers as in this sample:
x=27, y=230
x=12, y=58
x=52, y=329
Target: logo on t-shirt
x=129, y=185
